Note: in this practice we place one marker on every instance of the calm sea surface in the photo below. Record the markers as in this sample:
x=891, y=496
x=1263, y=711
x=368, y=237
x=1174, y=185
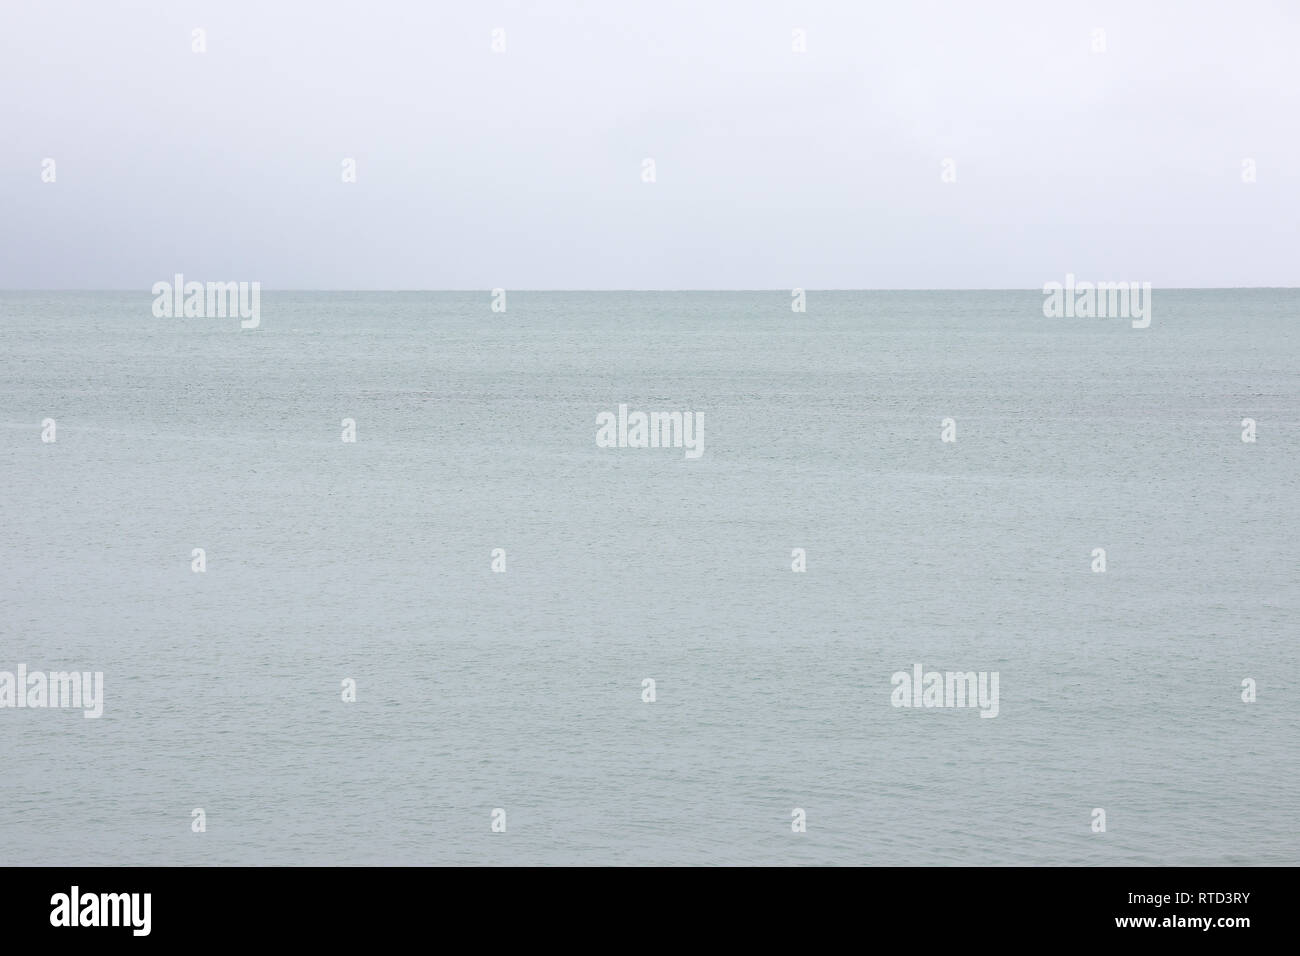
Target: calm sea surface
x=477, y=690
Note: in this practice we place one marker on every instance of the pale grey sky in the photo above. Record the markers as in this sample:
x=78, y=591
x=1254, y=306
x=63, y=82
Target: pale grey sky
x=774, y=169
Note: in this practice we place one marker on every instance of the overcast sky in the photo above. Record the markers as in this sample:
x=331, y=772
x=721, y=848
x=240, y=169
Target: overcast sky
x=523, y=169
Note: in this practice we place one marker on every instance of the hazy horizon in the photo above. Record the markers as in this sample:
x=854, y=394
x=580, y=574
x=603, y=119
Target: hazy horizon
x=266, y=288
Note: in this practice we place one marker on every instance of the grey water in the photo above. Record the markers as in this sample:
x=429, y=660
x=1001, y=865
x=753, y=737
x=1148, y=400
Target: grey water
x=476, y=690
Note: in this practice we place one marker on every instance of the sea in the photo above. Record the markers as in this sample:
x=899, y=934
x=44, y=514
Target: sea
x=473, y=635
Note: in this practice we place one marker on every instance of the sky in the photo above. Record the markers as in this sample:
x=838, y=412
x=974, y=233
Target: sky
x=525, y=168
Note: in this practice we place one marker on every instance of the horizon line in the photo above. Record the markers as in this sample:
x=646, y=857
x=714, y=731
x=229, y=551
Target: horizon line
x=147, y=291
